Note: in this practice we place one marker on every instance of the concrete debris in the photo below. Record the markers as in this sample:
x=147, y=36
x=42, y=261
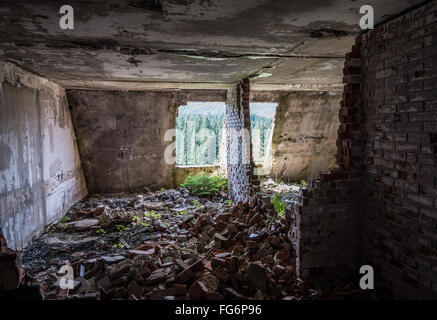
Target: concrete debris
x=83, y=224
x=169, y=246
x=290, y=191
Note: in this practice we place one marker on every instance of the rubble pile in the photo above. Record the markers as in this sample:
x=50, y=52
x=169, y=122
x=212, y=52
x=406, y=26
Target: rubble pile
x=170, y=246
x=167, y=245
x=290, y=192
x=107, y=224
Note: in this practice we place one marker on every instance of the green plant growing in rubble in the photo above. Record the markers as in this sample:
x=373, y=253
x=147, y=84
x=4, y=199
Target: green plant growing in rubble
x=156, y=215
x=101, y=231
x=229, y=203
x=152, y=215
x=135, y=219
x=303, y=183
x=64, y=219
x=279, y=205
x=145, y=224
x=183, y=212
x=121, y=227
x=205, y=185
x=196, y=203
x=119, y=245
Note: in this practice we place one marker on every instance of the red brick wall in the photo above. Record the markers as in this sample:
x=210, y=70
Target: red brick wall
x=400, y=144
x=380, y=208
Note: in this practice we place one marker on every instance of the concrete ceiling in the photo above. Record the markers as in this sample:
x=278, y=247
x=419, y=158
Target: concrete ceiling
x=209, y=43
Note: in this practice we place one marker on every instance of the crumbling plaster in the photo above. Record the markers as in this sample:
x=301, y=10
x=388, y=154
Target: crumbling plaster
x=306, y=123
x=121, y=136
x=40, y=171
x=277, y=42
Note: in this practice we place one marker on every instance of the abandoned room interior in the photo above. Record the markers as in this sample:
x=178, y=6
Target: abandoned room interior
x=218, y=150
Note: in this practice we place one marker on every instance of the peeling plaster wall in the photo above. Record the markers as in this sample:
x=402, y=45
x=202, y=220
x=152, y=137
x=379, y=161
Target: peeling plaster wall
x=304, y=138
x=121, y=136
x=40, y=171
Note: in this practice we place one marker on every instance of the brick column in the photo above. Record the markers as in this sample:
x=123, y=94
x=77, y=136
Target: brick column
x=239, y=147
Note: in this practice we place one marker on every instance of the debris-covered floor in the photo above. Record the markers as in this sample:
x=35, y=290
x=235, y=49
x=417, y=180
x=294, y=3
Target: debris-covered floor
x=174, y=246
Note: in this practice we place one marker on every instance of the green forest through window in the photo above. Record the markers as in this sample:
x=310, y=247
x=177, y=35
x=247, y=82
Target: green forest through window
x=200, y=132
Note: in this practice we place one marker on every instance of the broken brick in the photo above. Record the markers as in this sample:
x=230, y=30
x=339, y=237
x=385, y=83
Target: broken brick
x=158, y=275
x=198, y=291
x=216, y=262
x=133, y=253
x=179, y=289
x=135, y=289
x=256, y=275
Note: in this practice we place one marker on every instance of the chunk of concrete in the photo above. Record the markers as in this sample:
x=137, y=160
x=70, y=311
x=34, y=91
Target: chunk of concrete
x=83, y=224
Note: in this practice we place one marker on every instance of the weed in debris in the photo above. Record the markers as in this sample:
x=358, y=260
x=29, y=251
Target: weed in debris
x=279, y=205
x=205, y=185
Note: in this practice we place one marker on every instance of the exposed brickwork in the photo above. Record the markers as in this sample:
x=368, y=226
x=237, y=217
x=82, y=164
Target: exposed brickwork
x=349, y=154
x=326, y=231
x=239, y=148
x=400, y=121
x=380, y=208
